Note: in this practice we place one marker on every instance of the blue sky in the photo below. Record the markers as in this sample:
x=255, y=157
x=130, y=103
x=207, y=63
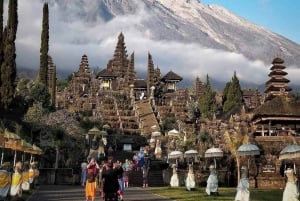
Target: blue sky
x=279, y=16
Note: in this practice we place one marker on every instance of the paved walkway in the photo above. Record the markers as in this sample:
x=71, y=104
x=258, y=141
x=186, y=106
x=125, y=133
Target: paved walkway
x=76, y=193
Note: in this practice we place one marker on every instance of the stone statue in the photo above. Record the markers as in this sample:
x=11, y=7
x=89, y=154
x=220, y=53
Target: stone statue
x=243, y=193
x=290, y=192
x=212, y=182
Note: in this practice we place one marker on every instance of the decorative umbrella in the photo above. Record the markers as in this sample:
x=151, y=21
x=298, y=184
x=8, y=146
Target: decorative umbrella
x=94, y=131
x=291, y=151
x=156, y=134
x=106, y=126
x=2, y=140
x=12, y=142
x=248, y=150
x=103, y=133
x=173, y=133
x=175, y=155
x=190, y=153
x=213, y=153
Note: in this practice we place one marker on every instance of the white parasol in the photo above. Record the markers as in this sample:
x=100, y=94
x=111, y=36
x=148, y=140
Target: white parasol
x=248, y=150
x=213, y=153
x=175, y=154
x=156, y=134
x=291, y=151
x=190, y=153
x=173, y=133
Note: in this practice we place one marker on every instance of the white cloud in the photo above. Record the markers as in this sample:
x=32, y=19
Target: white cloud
x=71, y=38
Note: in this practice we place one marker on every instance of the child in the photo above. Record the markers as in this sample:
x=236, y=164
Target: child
x=90, y=187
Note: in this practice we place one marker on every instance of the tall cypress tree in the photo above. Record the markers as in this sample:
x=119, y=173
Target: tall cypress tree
x=234, y=95
x=1, y=39
x=43, y=73
x=207, y=101
x=8, y=67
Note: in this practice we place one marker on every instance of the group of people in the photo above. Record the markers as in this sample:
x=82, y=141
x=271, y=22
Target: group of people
x=106, y=177
x=15, y=180
x=110, y=178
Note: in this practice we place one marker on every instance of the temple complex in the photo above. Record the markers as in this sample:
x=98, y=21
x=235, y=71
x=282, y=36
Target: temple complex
x=277, y=124
x=138, y=106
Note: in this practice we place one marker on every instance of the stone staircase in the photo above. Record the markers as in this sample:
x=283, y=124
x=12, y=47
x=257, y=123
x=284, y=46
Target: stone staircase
x=146, y=117
x=116, y=110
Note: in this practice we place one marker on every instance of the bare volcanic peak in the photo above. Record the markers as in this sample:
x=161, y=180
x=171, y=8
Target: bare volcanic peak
x=188, y=21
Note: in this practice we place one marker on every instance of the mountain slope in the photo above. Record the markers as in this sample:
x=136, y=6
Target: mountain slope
x=189, y=21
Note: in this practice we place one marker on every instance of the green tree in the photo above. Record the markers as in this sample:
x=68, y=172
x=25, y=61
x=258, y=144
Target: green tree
x=8, y=67
x=169, y=123
x=1, y=35
x=39, y=94
x=234, y=96
x=207, y=101
x=43, y=73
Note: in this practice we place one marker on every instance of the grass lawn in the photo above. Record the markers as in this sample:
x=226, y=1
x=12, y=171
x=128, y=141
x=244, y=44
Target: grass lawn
x=180, y=193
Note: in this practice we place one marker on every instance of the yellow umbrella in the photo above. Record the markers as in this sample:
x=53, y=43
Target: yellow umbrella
x=10, y=135
x=2, y=140
x=37, y=150
x=12, y=142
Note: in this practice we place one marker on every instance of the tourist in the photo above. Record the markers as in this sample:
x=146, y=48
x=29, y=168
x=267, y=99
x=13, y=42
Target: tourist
x=190, y=179
x=16, y=184
x=110, y=184
x=145, y=176
x=121, y=181
x=212, y=182
x=127, y=168
x=135, y=160
x=5, y=181
x=91, y=184
x=243, y=193
x=141, y=159
x=290, y=192
x=174, y=179
x=83, y=173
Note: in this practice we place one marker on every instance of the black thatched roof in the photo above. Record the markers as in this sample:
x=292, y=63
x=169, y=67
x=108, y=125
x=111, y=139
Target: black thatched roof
x=284, y=106
x=171, y=76
x=277, y=67
x=105, y=73
x=249, y=92
x=277, y=60
x=282, y=79
x=140, y=84
x=273, y=88
x=282, y=73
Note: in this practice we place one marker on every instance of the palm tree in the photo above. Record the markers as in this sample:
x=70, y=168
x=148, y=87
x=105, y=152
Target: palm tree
x=234, y=138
